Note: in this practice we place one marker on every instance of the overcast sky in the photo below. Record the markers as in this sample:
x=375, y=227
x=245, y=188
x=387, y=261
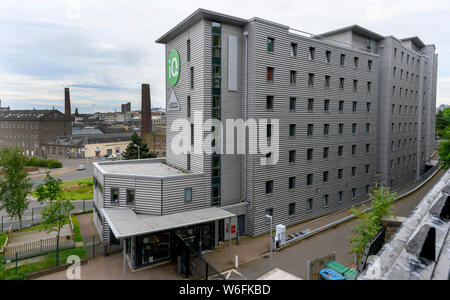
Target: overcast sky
x=104, y=49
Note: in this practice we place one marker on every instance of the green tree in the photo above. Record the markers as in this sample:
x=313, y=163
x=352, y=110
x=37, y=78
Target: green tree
x=49, y=190
x=444, y=153
x=369, y=222
x=132, y=151
x=55, y=215
x=14, y=184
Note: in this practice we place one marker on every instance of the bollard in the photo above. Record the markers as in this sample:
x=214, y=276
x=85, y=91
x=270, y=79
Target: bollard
x=236, y=263
x=32, y=216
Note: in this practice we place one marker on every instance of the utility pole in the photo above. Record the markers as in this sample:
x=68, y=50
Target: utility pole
x=271, y=245
x=139, y=151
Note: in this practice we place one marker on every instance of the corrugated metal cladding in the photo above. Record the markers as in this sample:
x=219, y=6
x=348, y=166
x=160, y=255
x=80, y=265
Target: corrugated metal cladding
x=183, y=90
x=281, y=89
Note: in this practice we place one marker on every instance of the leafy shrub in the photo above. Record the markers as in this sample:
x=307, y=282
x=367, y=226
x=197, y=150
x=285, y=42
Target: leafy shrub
x=44, y=163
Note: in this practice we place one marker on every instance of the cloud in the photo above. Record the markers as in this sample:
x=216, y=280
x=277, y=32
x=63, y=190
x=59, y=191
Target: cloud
x=105, y=49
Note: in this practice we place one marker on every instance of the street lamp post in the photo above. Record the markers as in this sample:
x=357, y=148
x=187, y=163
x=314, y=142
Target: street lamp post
x=271, y=245
x=139, y=151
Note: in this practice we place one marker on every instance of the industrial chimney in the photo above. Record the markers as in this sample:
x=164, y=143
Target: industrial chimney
x=146, y=112
x=67, y=113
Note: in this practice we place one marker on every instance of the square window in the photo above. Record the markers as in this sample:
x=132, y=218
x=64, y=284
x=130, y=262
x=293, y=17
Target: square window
x=355, y=106
x=353, y=193
x=354, y=149
x=309, y=179
x=368, y=107
x=341, y=83
x=188, y=195
x=270, y=74
x=114, y=196
x=269, y=102
x=355, y=62
x=291, y=183
x=326, y=151
x=367, y=169
x=325, y=200
x=269, y=187
x=292, y=103
x=341, y=129
x=291, y=209
x=327, y=57
x=310, y=105
x=326, y=105
x=353, y=171
x=269, y=130
x=310, y=79
x=292, y=154
x=340, y=196
x=340, y=173
x=270, y=45
x=309, y=204
x=367, y=148
x=310, y=129
x=354, y=128
x=342, y=60
x=341, y=106
x=340, y=151
x=130, y=197
x=355, y=85
x=293, y=77
x=326, y=129
x=293, y=50
x=312, y=53
x=292, y=128
x=325, y=176
x=327, y=82
x=369, y=65
x=310, y=153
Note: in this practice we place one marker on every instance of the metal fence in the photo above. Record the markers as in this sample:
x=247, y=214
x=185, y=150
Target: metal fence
x=372, y=248
x=36, y=248
x=33, y=216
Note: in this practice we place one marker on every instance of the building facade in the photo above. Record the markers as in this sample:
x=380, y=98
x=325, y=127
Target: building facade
x=333, y=98
x=29, y=129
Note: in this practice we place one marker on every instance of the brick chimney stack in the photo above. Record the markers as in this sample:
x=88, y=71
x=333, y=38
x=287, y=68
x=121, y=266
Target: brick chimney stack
x=67, y=112
x=146, y=112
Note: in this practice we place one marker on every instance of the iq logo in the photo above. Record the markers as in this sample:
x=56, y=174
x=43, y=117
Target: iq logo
x=173, y=67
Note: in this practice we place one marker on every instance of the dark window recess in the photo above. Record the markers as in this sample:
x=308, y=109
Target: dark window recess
x=269, y=187
x=429, y=246
x=188, y=46
x=114, y=195
x=130, y=196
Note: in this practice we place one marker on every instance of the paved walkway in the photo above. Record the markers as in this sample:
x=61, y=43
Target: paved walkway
x=111, y=268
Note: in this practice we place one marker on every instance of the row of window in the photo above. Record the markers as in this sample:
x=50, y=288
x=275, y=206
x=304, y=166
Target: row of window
x=311, y=55
x=325, y=152
x=405, y=110
x=310, y=177
x=311, y=80
x=407, y=77
x=405, y=162
x=325, y=202
x=406, y=93
x=326, y=129
x=270, y=103
x=23, y=125
x=402, y=58
x=405, y=127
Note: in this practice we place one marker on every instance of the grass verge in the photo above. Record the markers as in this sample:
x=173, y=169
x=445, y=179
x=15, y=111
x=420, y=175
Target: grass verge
x=77, y=189
x=76, y=229
x=48, y=262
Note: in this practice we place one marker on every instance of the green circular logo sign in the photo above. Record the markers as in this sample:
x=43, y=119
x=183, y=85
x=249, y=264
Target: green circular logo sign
x=173, y=67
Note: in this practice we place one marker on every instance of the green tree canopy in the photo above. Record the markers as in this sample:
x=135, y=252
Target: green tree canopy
x=50, y=189
x=444, y=153
x=14, y=184
x=369, y=223
x=55, y=215
x=132, y=152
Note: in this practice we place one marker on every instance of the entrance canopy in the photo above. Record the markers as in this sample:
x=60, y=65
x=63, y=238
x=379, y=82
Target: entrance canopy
x=125, y=223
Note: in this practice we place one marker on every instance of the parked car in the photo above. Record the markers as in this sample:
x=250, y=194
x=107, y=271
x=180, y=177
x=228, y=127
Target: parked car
x=81, y=168
x=112, y=156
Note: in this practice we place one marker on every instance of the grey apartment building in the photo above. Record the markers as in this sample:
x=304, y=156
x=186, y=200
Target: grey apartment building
x=354, y=107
